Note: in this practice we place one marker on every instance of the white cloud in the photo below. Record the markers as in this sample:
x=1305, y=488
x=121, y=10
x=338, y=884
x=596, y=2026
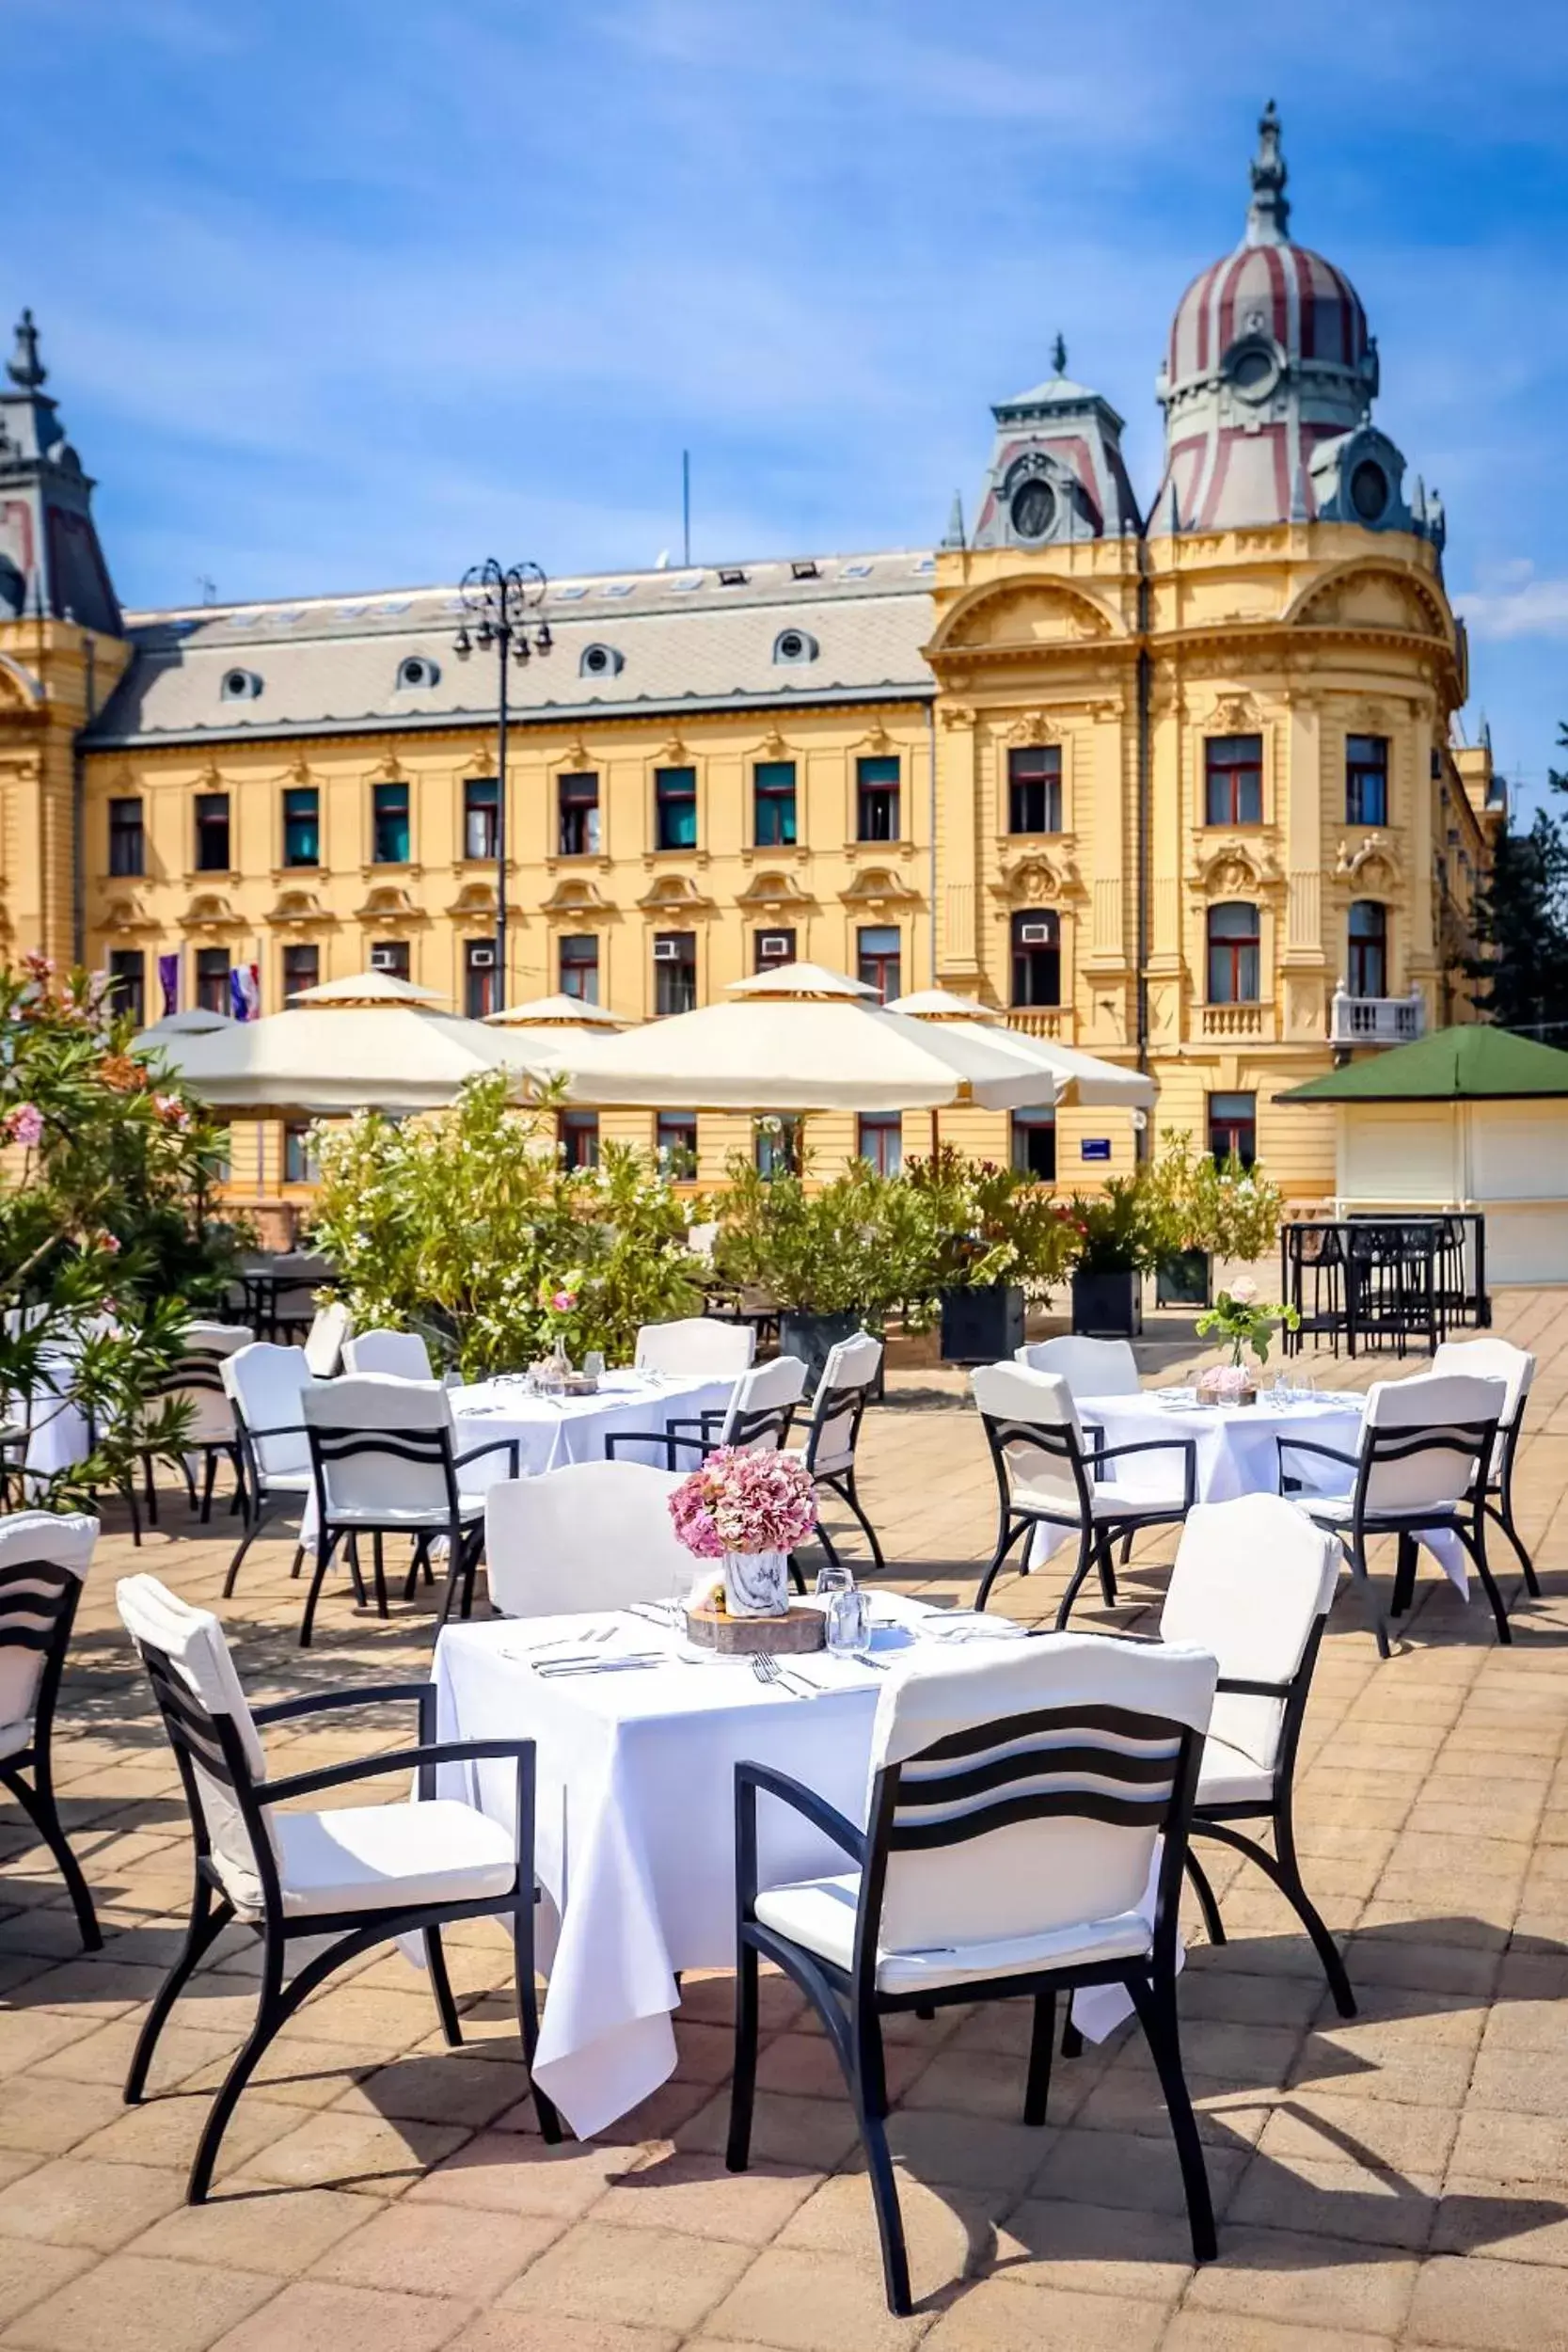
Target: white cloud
x=1521, y=605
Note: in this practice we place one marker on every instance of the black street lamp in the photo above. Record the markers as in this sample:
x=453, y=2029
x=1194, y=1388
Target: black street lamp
x=504, y=607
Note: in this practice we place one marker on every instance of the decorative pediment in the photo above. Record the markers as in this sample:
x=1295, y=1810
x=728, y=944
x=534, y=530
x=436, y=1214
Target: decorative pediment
x=1374, y=865
x=874, y=886
x=770, y=891
x=1234, y=714
x=296, y=909
x=673, y=754
x=19, y=689
x=878, y=744
x=211, y=779
x=475, y=897
x=1237, y=869
x=1374, y=596
x=773, y=746
x=124, y=915
x=210, y=911
x=299, y=770
x=1018, y=614
x=674, y=894
x=481, y=760
x=388, y=771
x=389, y=903
x=575, y=894
x=1039, y=880
x=577, y=758
x=1033, y=728
x=957, y=714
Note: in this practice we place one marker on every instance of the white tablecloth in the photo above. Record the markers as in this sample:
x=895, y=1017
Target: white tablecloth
x=636, y=1824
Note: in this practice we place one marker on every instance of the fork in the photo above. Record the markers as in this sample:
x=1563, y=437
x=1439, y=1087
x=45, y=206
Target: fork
x=766, y=1669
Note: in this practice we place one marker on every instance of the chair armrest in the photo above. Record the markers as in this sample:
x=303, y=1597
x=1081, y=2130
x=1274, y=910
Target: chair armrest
x=492, y=1445
x=668, y=1438
x=1187, y=1447
x=284, y=1429
x=1307, y=1445
x=374, y=1695
x=1241, y=1688
x=400, y=1760
x=749, y=1780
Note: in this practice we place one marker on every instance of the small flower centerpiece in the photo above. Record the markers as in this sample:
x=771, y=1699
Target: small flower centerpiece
x=749, y=1511
x=1238, y=1315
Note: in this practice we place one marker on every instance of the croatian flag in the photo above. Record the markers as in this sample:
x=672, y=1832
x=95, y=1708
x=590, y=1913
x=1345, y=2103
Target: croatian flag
x=244, y=991
x=169, y=980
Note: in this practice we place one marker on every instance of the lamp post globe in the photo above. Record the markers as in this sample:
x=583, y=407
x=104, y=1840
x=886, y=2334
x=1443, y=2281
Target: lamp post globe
x=502, y=607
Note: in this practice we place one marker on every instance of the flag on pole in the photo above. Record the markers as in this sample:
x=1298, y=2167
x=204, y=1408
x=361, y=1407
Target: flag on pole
x=244, y=991
x=169, y=980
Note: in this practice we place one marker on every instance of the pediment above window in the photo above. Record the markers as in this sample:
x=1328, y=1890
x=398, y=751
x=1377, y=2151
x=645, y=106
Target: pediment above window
x=878, y=886
x=774, y=890
x=296, y=909
x=1374, y=863
x=575, y=894
x=674, y=894
x=210, y=911
x=1237, y=869
x=390, y=902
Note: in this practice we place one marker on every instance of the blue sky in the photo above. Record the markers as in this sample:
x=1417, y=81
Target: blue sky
x=349, y=293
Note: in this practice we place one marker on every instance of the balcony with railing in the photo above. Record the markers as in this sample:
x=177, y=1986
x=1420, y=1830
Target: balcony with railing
x=1376, y=1020
x=1053, y=1022
x=1251, y=1020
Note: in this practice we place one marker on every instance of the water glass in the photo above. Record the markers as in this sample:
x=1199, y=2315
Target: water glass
x=833, y=1577
x=593, y=1364
x=849, y=1622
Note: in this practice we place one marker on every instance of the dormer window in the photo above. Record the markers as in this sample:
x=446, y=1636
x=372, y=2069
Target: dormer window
x=1034, y=508
x=240, y=686
x=601, y=661
x=795, y=645
x=418, y=671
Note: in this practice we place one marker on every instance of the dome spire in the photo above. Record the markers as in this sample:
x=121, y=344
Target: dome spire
x=1268, y=219
x=25, y=367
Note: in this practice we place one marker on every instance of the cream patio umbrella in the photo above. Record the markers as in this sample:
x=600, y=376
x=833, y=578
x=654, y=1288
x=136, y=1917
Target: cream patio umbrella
x=195, y=1021
x=1084, y=1078
x=368, y=1042
x=550, y=1035
x=798, y=1039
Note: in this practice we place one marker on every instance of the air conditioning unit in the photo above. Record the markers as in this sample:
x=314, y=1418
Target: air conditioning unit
x=1035, y=935
x=384, y=959
x=776, y=947
x=481, y=959
x=666, y=951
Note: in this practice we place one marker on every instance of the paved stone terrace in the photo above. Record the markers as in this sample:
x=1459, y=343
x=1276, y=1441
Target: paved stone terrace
x=1401, y=2179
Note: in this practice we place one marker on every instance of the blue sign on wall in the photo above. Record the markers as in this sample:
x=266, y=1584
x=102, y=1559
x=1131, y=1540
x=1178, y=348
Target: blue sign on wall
x=1094, y=1148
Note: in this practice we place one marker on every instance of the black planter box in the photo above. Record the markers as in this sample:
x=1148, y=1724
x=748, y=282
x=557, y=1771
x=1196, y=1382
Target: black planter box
x=981, y=1326
x=1183, y=1280
x=813, y=1337
x=1107, y=1306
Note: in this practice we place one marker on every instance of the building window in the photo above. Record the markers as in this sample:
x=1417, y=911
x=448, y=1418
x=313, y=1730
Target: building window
x=770, y=948
x=1035, y=1144
x=391, y=957
x=300, y=1164
x=389, y=824
x=579, y=966
x=1233, y=1127
x=127, y=841
x=212, y=833
x=880, y=1138
x=128, y=980
x=1369, y=948
x=674, y=972
x=1366, y=780
x=773, y=803
x=880, y=959
x=674, y=808
x=578, y=799
x=1233, y=945
x=481, y=978
x=301, y=968
x=1038, y=958
x=776, y=1146
x=211, y=980
x=1233, y=780
x=577, y=1132
x=302, y=831
x=481, y=816
x=1035, y=789
x=675, y=1142
x=877, y=800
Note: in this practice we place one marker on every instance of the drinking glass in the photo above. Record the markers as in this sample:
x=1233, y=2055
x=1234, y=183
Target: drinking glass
x=833, y=1577
x=849, y=1622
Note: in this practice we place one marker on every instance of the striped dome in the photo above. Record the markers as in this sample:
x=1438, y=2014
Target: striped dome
x=1283, y=291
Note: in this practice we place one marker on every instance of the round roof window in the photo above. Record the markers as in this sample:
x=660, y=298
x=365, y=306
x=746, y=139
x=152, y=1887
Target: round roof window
x=1368, y=490
x=1252, y=369
x=1034, y=509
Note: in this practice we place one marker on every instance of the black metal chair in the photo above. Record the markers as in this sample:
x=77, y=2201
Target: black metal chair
x=265, y=1384
x=1422, y=1443
x=1012, y=1822
x=44, y=1556
x=758, y=1418
x=1048, y=1474
x=1499, y=1359
x=360, y=1876
x=850, y=1381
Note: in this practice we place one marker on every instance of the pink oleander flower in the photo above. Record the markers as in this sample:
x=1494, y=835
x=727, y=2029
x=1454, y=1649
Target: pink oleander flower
x=108, y=1243
x=171, y=1110
x=24, y=1125
x=744, y=1501
x=37, y=965
x=563, y=1302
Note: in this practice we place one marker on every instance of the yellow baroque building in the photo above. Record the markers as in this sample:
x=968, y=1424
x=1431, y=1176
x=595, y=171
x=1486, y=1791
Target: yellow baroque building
x=1183, y=786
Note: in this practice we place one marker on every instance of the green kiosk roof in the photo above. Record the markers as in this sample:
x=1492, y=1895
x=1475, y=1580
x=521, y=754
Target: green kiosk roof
x=1471, y=1064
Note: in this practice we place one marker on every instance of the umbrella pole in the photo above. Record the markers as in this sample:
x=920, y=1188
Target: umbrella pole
x=936, y=1131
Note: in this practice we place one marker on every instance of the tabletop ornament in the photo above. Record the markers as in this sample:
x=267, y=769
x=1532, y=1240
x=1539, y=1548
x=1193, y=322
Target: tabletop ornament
x=747, y=1511
x=1239, y=1317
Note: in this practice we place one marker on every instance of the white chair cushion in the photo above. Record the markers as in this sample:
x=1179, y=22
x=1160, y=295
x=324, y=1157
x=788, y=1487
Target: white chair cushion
x=1111, y=1500
x=1226, y=1776
x=412, y=1516
x=1334, y=1511
x=819, y=1913
x=294, y=1482
x=378, y=1857
x=14, y=1738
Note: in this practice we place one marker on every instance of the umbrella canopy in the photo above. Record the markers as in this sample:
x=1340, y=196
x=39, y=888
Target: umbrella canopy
x=197, y=1022
x=557, y=1013
x=1063, y=1072
x=369, y=1042
x=1471, y=1064
x=800, y=1038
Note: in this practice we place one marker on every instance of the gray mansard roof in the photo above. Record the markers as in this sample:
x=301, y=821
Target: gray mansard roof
x=669, y=642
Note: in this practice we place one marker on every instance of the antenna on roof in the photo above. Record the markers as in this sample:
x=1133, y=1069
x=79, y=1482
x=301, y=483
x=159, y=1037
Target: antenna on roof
x=209, y=588
x=1058, y=355
x=686, y=508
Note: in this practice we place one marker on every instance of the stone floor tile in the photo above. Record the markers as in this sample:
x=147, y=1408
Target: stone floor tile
x=817, y=2134
x=1332, y=2123
x=1377, y=2206
x=436, y=2090
x=29, y=2035
x=551, y=2331
x=699, y=2196
x=390, y=2021
x=1130, y=2171
x=1097, y=2249
x=295, y=2074
x=1519, y=2220
x=165, y=2130
x=1234, y=2332
x=336, y=2150
x=273, y=2229
x=105, y=2056
x=136, y=2303
x=438, y=2250
x=631, y=2277
x=1487, y=2306
x=1009, y=2315
x=50, y=2116
x=1278, y=2274
x=29, y=2271
x=313, y=2315
x=70, y=2202
x=505, y=2172
x=810, y=2302
x=1529, y=2082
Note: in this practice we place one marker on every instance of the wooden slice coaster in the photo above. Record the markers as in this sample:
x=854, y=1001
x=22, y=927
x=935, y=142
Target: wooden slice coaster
x=742, y=1637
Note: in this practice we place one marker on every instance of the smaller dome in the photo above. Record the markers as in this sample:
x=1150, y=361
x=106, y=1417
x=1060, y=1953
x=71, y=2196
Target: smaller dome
x=1282, y=295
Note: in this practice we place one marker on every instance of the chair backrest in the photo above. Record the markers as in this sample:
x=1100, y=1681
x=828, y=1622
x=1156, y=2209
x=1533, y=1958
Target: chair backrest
x=265, y=1384
x=1491, y=1359
x=695, y=1344
x=1022, y=1789
x=44, y=1557
x=200, y=1694
x=1089, y=1367
x=381, y=1445
x=1253, y=1581
x=215, y=1339
x=404, y=1354
x=195, y=1381
x=842, y=1392
x=324, y=1342
x=763, y=1404
x=1034, y=1433
x=1422, y=1438
x=592, y=1535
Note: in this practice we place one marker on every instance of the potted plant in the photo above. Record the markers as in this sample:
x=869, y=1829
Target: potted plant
x=1243, y=1320
x=1118, y=1239
x=999, y=1240
x=749, y=1511
x=1205, y=1210
x=833, y=1261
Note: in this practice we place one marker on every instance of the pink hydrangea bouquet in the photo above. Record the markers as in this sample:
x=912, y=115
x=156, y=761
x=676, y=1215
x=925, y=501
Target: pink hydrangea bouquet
x=741, y=1502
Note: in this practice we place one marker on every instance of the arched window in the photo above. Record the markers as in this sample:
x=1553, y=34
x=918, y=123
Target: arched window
x=1233, y=958
x=1038, y=958
x=1369, y=948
